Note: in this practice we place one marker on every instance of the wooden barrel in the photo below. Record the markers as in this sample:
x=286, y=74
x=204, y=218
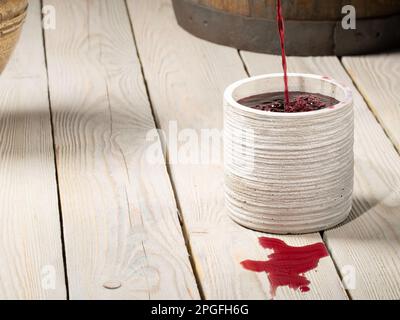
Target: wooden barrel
x=313, y=27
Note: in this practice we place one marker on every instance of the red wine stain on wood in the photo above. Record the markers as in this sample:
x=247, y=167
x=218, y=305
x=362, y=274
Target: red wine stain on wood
x=287, y=265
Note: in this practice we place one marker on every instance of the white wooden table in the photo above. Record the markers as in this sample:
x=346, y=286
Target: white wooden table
x=83, y=215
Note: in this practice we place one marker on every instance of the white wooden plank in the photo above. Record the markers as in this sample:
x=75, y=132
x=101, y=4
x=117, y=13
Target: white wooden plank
x=378, y=79
x=31, y=263
x=120, y=218
x=368, y=244
x=187, y=77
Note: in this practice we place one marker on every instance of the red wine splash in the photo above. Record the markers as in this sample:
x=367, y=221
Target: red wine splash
x=287, y=265
x=281, y=27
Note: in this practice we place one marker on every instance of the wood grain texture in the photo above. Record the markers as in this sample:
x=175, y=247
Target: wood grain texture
x=368, y=243
x=187, y=77
x=377, y=78
x=241, y=7
x=31, y=263
x=120, y=218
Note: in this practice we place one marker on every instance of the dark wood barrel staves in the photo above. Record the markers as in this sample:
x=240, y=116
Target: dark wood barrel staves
x=313, y=27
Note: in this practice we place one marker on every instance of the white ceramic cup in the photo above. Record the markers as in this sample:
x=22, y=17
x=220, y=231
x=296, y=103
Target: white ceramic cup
x=288, y=173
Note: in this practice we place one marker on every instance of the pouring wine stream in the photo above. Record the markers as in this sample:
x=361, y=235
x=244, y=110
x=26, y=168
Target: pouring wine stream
x=280, y=101
x=281, y=28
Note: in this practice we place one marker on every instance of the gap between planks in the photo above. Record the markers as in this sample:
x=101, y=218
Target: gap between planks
x=167, y=165
x=31, y=248
x=387, y=126
x=55, y=162
x=120, y=219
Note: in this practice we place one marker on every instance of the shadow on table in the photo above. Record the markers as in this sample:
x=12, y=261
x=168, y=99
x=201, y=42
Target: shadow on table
x=29, y=133
x=380, y=212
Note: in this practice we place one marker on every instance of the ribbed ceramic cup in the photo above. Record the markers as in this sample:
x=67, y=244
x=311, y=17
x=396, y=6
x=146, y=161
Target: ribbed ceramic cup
x=288, y=172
